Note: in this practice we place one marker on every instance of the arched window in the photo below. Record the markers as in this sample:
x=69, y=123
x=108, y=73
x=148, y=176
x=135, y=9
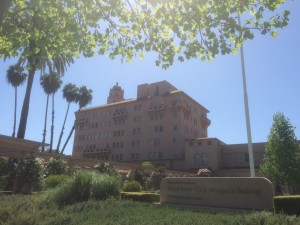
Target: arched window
x=200, y=160
x=197, y=159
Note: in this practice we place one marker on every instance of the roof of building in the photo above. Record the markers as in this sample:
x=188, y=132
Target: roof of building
x=10, y=146
x=173, y=92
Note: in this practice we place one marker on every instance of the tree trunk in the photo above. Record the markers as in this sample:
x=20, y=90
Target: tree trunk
x=45, y=124
x=15, y=113
x=70, y=134
x=62, y=129
x=52, y=124
x=25, y=107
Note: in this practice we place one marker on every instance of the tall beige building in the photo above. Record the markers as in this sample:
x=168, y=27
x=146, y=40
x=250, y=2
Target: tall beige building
x=152, y=127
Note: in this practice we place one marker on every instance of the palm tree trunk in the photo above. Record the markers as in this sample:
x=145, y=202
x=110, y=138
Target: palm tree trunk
x=52, y=124
x=45, y=124
x=15, y=113
x=70, y=134
x=25, y=107
x=63, y=127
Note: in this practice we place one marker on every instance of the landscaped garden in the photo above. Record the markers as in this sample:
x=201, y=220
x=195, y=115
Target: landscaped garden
x=65, y=195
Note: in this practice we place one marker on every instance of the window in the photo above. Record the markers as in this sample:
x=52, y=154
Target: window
x=197, y=159
x=160, y=155
x=191, y=144
x=209, y=143
x=201, y=160
x=204, y=159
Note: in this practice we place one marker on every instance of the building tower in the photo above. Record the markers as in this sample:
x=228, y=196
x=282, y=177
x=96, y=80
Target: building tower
x=116, y=94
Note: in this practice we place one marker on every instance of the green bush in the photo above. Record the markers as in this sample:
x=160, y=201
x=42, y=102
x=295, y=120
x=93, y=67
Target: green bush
x=139, y=175
x=84, y=186
x=289, y=204
x=3, y=182
x=57, y=166
x=30, y=174
x=106, y=168
x=140, y=196
x=4, y=166
x=153, y=182
x=54, y=180
x=132, y=186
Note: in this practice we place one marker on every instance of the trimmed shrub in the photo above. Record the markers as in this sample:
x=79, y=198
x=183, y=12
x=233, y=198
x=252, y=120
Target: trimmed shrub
x=139, y=175
x=132, y=186
x=57, y=166
x=289, y=204
x=140, y=196
x=54, y=180
x=84, y=186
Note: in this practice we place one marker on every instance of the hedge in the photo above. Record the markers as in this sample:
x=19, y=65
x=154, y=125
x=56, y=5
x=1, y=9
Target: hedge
x=289, y=204
x=140, y=196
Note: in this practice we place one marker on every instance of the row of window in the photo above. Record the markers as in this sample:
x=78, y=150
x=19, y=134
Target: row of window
x=118, y=144
x=199, y=143
x=156, y=116
x=155, y=155
x=156, y=129
x=118, y=133
x=120, y=157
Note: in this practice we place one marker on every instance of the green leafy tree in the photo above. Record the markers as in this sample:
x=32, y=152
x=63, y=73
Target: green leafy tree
x=84, y=98
x=46, y=33
x=282, y=157
x=16, y=77
x=70, y=93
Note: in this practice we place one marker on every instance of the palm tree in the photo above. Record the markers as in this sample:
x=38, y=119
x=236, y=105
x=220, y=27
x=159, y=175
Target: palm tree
x=16, y=77
x=84, y=98
x=50, y=83
x=35, y=62
x=70, y=93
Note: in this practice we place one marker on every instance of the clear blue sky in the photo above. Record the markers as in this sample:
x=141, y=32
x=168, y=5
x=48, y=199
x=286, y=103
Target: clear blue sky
x=273, y=80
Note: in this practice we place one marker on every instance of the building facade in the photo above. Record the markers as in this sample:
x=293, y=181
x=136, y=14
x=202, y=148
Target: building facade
x=222, y=159
x=163, y=125
x=152, y=127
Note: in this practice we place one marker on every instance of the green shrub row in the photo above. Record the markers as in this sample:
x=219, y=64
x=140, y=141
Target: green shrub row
x=84, y=186
x=289, y=204
x=132, y=186
x=140, y=196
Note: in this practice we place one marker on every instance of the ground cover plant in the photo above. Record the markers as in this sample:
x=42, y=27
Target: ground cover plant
x=31, y=209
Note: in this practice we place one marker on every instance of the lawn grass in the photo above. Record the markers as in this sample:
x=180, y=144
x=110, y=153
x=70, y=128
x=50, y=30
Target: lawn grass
x=32, y=209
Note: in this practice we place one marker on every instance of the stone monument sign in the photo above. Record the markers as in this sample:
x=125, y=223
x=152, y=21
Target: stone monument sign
x=222, y=192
